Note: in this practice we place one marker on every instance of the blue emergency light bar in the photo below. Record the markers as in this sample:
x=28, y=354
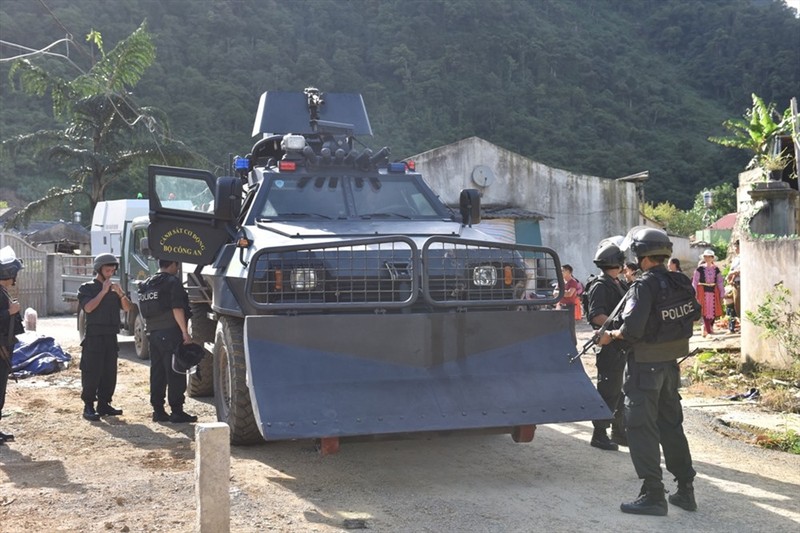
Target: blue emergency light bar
x=398, y=166
x=241, y=164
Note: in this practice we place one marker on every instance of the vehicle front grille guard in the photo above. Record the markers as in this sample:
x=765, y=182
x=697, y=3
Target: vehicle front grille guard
x=391, y=273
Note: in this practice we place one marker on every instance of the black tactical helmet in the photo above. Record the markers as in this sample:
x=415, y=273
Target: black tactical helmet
x=608, y=254
x=10, y=270
x=103, y=260
x=187, y=356
x=646, y=242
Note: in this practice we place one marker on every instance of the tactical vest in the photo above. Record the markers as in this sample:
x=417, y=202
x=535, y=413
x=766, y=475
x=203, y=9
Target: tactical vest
x=618, y=289
x=675, y=308
x=154, y=298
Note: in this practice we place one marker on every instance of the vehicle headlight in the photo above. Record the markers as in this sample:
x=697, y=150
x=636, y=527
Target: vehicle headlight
x=303, y=279
x=484, y=276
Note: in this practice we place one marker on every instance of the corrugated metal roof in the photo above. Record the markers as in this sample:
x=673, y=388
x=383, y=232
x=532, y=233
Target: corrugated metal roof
x=726, y=222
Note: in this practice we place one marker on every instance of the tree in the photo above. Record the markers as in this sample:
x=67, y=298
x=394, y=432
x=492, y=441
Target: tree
x=106, y=133
x=685, y=223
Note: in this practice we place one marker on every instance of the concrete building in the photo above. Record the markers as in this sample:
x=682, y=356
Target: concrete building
x=569, y=212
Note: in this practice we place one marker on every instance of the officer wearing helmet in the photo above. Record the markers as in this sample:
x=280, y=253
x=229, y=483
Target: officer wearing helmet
x=101, y=300
x=603, y=293
x=657, y=319
x=10, y=323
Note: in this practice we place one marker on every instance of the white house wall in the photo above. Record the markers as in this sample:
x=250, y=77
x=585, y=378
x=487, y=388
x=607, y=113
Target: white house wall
x=584, y=209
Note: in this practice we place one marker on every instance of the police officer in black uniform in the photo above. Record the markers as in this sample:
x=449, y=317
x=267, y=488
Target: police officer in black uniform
x=167, y=328
x=10, y=326
x=604, y=292
x=658, y=317
x=101, y=299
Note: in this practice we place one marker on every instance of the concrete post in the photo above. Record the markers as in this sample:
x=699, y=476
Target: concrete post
x=212, y=477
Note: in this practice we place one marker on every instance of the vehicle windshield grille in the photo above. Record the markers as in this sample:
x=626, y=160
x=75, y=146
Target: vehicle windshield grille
x=392, y=273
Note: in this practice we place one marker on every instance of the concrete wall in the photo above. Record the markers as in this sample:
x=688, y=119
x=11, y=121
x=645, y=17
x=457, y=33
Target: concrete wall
x=584, y=209
x=764, y=263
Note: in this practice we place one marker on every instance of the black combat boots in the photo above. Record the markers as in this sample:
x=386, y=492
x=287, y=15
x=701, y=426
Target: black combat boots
x=105, y=409
x=89, y=413
x=651, y=501
x=684, y=498
x=600, y=440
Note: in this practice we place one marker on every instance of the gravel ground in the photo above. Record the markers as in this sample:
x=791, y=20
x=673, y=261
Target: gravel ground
x=130, y=474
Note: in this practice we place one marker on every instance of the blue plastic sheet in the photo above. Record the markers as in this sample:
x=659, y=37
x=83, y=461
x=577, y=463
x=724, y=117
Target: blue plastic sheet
x=39, y=356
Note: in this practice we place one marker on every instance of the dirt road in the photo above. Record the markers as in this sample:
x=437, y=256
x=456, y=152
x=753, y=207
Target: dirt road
x=130, y=474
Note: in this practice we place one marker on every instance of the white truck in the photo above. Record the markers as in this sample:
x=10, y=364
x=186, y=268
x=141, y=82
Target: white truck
x=118, y=227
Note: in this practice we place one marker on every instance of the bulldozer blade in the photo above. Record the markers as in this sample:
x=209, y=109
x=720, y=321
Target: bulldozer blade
x=317, y=376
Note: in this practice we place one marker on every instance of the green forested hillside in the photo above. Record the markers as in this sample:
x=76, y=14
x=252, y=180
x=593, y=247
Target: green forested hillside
x=602, y=87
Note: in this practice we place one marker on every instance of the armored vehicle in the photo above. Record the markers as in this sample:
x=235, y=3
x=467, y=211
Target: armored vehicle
x=343, y=298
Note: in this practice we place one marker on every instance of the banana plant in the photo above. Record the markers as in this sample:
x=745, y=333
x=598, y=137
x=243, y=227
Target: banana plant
x=757, y=131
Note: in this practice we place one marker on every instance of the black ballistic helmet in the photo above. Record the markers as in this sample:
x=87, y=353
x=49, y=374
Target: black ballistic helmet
x=187, y=356
x=608, y=255
x=647, y=242
x=103, y=260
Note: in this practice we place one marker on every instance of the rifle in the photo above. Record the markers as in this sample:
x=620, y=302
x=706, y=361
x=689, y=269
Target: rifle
x=598, y=334
x=690, y=354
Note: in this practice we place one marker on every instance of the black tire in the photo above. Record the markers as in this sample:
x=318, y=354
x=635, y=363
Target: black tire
x=140, y=342
x=201, y=328
x=202, y=386
x=231, y=395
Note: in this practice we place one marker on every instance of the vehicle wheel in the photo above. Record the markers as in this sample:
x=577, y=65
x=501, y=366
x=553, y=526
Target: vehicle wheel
x=201, y=328
x=231, y=395
x=140, y=342
x=202, y=386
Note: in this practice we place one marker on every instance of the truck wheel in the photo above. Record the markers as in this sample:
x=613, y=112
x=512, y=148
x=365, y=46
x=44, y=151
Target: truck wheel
x=231, y=395
x=201, y=328
x=140, y=338
x=199, y=387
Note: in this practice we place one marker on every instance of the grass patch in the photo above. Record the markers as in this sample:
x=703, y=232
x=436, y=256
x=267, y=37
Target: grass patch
x=786, y=442
x=721, y=374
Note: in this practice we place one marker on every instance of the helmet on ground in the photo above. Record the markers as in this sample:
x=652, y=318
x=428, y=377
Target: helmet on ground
x=608, y=254
x=9, y=264
x=187, y=356
x=646, y=242
x=103, y=260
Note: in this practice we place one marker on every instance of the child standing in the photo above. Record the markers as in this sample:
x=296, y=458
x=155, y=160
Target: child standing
x=730, y=308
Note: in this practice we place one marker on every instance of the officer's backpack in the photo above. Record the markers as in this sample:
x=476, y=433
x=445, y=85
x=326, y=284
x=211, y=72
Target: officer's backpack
x=154, y=295
x=589, y=284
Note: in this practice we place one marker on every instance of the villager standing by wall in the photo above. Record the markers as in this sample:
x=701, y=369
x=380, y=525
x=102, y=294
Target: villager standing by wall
x=603, y=293
x=10, y=324
x=657, y=320
x=734, y=278
x=101, y=299
x=708, y=284
x=572, y=292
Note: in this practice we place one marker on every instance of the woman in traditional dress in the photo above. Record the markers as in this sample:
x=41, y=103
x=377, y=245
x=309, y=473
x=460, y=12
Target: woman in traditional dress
x=709, y=286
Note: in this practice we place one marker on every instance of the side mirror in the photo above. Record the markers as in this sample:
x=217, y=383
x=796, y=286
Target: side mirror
x=470, y=206
x=228, y=198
